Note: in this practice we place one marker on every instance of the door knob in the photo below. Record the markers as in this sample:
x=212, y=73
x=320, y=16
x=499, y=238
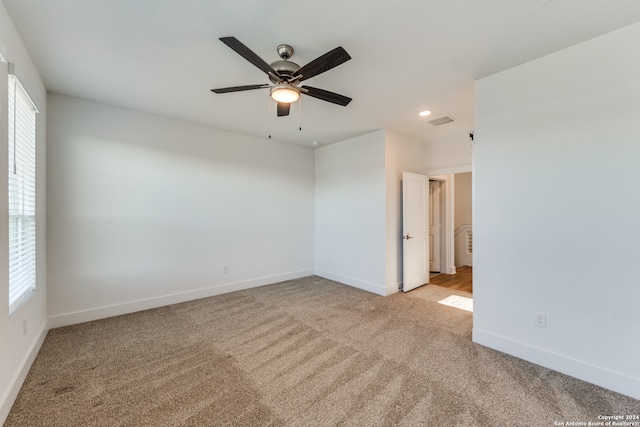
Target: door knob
x=407, y=237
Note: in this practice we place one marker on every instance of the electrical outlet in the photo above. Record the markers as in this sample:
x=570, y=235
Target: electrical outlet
x=225, y=269
x=540, y=319
x=25, y=325
x=329, y=260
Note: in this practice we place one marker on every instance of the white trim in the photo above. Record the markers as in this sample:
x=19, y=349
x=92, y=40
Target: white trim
x=89, y=315
x=15, y=384
x=463, y=227
x=442, y=211
x=11, y=69
x=579, y=369
x=448, y=254
x=351, y=281
x=3, y=52
x=395, y=290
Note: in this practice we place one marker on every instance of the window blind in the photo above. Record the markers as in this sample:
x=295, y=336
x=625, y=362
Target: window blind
x=22, y=194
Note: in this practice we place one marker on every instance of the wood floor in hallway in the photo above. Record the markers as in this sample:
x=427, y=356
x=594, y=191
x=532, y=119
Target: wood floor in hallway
x=461, y=281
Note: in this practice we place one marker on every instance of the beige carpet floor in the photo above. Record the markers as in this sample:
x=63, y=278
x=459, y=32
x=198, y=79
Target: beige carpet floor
x=307, y=352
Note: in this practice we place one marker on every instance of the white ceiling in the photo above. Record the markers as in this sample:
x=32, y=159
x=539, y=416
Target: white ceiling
x=164, y=56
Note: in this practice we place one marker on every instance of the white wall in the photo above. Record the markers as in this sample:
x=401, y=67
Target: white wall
x=463, y=198
x=556, y=211
x=447, y=153
x=18, y=349
x=145, y=211
x=350, y=219
x=358, y=209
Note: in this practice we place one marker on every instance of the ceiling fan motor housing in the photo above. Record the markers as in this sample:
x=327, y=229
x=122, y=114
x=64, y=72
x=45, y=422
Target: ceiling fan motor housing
x=284, y=68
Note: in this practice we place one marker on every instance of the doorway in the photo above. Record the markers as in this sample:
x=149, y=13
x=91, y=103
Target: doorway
x=433, y=251
x=456, y=243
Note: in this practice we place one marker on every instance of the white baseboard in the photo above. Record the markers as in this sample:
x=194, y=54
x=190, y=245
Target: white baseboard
x=394, y=290
x=581, y=370
x=351, y=281
x=89, y=315
x=18, y=379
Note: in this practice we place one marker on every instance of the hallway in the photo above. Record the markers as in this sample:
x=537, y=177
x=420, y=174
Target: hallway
x=461, y=281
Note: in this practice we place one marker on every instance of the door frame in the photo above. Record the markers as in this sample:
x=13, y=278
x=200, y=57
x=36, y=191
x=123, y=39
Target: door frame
x=441, y=218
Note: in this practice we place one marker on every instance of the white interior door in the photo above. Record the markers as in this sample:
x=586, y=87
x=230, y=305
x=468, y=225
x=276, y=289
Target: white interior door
x=415, y=230
x=435, y=230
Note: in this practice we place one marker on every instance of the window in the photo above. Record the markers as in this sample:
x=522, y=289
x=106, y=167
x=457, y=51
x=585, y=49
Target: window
x=22, y=194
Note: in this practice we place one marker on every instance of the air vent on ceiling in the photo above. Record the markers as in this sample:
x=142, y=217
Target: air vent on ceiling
x=441, y=121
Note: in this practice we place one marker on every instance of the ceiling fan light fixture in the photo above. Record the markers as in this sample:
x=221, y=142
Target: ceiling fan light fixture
x=285, y=93
x=286, y=75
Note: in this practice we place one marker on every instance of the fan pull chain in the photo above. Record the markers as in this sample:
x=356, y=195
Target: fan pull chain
x=300, y=111
x=269, y=103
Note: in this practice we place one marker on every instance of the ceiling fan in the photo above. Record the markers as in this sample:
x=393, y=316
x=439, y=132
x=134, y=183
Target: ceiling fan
x=286, y=75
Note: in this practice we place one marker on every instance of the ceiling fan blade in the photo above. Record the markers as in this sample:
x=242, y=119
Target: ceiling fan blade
x=325, y=95
x=283, y=109
x=248, y=54
x=323, y=63
x=238, y=88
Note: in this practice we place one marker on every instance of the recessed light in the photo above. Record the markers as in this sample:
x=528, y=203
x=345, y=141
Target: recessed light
x=424, y=113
